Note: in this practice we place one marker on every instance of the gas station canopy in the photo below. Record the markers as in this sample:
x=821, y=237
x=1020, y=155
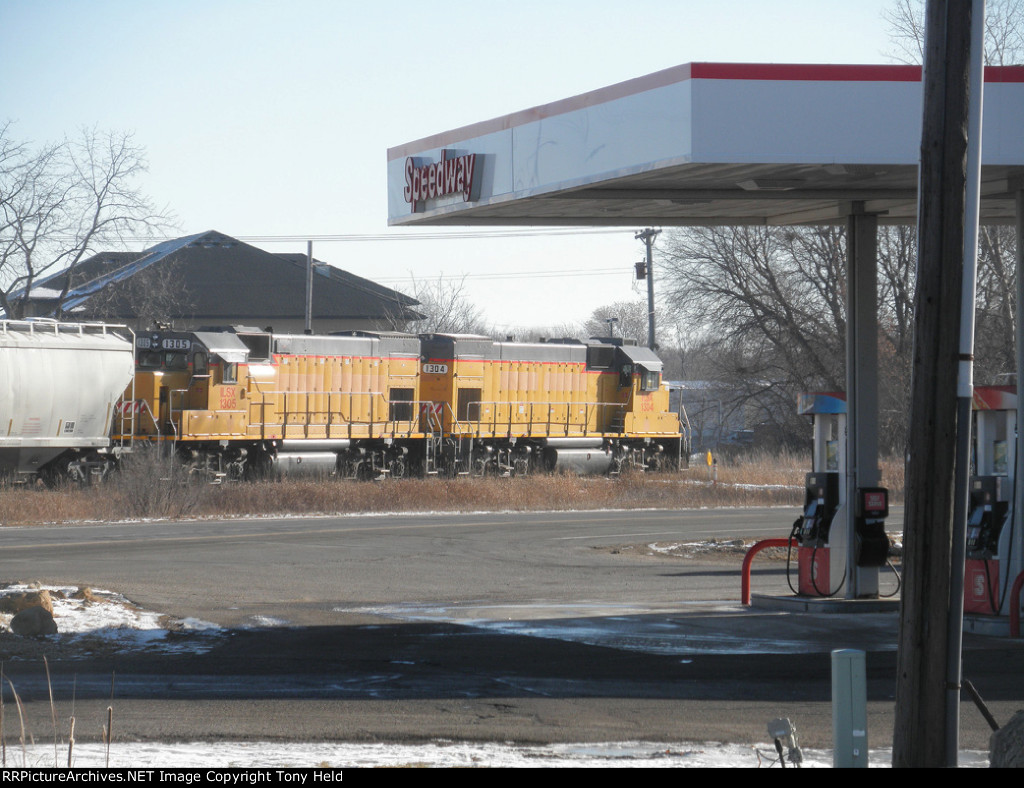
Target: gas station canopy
x=705, y=144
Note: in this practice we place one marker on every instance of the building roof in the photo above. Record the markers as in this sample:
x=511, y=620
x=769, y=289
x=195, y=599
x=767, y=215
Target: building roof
x=223, y=279
x=702, y=144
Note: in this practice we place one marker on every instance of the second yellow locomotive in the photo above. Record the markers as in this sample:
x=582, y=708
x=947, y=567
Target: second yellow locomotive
x=242, y=402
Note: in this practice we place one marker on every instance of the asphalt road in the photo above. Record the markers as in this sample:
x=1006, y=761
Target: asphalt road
x=526, y=627
x=299, y=571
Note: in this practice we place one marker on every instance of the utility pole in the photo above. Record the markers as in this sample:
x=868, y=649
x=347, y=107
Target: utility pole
x=919, y=738
x=647, y=236
x=309, y=287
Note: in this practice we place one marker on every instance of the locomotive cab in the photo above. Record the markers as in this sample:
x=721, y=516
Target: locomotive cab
x=188, y=389
x=637, y=418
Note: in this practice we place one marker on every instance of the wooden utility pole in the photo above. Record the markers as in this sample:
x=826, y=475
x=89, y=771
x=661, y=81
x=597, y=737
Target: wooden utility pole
x=919, y=736
x=309, y=287
x=647, y=236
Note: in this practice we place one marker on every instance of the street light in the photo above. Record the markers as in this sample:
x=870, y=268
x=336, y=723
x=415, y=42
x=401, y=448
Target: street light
x=611, y=321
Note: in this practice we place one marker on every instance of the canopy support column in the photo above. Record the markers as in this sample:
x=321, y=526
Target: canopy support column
x=861, y=386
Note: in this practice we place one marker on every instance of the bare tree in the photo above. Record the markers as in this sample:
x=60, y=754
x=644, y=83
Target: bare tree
x=767, y=310
x=906, y=31
x=59, y=201
x=154, y=294
x=544, y=333
x=446, y=309
x=995, y=316
x=996, y=284
x=779, y=291
x=1004, y=31
x=771, y=303
x=897, y=269
x=629, y=321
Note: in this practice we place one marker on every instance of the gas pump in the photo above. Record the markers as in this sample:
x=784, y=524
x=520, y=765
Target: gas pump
x=824, y=496
x=993, y=553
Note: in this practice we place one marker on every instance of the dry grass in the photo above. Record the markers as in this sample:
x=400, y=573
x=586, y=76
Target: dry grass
x=151, y=489
x=761, y=468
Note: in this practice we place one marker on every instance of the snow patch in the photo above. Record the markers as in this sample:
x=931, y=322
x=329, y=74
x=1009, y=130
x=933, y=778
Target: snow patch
x=252, y=755
x=101, y=621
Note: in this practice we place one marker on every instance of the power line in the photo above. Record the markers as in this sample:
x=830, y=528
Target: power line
x=548, y=274
x=431, y=236
x=397, y=236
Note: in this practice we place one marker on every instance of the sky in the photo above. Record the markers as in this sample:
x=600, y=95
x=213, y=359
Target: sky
x=273, y=120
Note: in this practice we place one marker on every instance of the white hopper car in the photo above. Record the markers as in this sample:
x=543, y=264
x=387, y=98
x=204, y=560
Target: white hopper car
x=59, y=386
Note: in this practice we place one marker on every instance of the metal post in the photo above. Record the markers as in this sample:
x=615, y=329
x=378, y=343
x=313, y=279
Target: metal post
x=849, y=709
x=862, y=387
x=965, y=388
x=1018, y=486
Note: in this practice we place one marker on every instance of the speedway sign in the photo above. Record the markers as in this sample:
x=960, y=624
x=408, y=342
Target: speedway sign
x=451, y=175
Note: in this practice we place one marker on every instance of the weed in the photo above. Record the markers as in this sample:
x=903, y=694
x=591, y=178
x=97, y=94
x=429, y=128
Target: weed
x=151, y=486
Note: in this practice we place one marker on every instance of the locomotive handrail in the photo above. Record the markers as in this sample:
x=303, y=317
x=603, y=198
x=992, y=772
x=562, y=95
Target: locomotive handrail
x=328, y=412
x=412, y=423
x=390, y=426
x=170, y=406
x=263, y=404
x=144, y=405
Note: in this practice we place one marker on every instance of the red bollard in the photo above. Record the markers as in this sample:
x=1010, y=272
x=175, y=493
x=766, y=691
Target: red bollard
x=748, y=559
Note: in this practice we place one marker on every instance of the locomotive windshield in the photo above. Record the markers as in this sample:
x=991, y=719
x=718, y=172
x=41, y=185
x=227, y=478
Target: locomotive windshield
x=162, y=359
x=650, y=380
x=162, y=351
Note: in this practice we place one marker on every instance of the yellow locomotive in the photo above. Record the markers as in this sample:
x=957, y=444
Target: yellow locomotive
x=512, y=406
x=242, y=402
